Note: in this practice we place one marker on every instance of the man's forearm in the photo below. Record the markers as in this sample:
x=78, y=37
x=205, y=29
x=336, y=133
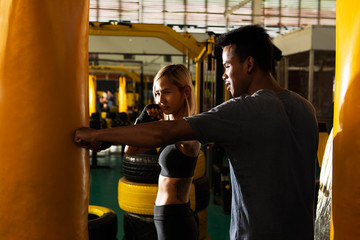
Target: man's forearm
x=147, y=135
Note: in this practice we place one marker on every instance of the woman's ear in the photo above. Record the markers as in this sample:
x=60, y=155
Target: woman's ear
x=187, y=91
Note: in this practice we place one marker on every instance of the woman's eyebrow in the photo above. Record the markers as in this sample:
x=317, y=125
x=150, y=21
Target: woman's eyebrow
x=165, y=89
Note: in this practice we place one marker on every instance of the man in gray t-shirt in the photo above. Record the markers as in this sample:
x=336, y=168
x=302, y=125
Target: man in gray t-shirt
x=270, y=136
x=270, y=140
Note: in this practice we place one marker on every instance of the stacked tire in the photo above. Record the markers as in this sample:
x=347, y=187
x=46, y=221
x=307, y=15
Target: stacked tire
x=102, y=223
x=137, y=192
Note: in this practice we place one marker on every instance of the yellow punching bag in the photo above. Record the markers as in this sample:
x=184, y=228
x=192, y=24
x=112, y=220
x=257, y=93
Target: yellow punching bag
x=122, y=95
x=43, y=99
x=92, y=94
x=346, y=145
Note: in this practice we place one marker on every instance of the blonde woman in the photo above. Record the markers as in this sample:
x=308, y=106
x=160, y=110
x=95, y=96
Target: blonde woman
x=175, y=99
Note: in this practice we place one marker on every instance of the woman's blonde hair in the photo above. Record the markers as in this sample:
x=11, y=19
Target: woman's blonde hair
x=180, y=76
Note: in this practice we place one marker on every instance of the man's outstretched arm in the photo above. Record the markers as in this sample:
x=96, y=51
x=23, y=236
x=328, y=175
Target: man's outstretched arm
x=146, y=135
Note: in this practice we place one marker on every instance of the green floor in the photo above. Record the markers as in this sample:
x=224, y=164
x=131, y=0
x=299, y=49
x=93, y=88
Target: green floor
x=103, y=192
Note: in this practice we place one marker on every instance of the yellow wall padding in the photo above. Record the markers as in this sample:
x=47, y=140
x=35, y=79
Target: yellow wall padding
x=323, y=207
x=44, y=177
x=200, y=166
x=323, y=137
x=346, y=142
x=123, y=106
x=92, y=94
x=139, y=198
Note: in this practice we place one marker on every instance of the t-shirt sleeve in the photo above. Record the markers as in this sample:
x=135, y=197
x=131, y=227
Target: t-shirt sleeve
x=218, y=124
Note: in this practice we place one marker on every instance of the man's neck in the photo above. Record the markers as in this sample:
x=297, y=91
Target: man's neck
x=263, y=80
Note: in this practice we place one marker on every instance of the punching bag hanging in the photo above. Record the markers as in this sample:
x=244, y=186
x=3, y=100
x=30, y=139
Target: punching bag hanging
x=346, y=145
x=43, y=99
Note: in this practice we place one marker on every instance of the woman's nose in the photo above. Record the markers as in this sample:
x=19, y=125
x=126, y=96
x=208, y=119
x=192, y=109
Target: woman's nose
x=161, y=98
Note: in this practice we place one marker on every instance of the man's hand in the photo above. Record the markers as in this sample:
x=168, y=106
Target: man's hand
x=84, y=137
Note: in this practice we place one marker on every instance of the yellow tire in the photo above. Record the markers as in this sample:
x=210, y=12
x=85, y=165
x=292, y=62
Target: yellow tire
x=99, y=211
x=139, y=198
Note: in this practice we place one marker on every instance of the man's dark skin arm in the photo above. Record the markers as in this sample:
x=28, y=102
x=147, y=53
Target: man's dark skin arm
x=146, y=135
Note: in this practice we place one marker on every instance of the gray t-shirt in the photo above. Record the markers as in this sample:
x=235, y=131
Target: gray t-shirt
x=271, y=142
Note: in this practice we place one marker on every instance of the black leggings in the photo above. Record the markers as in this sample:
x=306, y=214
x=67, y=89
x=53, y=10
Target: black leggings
x=175, y=222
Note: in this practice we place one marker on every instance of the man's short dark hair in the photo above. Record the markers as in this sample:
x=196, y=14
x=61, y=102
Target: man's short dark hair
x=251, y=40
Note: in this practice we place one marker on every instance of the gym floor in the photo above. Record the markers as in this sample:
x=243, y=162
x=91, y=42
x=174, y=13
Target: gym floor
x=104, y=176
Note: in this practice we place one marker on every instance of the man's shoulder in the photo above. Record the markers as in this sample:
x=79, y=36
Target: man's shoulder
x=299, y=107
x=291, y=95
x=293, y=98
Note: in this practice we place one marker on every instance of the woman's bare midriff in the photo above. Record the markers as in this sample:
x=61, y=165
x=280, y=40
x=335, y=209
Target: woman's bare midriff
x=173, y=190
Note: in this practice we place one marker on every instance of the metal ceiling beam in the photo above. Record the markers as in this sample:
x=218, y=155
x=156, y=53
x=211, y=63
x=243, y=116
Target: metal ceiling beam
x=256, y=11
x=185, y=43
x=236, y=7
x=108, y=69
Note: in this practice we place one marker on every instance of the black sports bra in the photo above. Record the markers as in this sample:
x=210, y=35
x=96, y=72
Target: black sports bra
x=175, y=164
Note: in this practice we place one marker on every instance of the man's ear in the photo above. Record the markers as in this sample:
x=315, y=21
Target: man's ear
x=250, y=64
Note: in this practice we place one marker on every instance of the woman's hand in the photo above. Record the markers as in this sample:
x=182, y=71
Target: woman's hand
x=155, y=113
x=145, y=116
x=84, y=137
